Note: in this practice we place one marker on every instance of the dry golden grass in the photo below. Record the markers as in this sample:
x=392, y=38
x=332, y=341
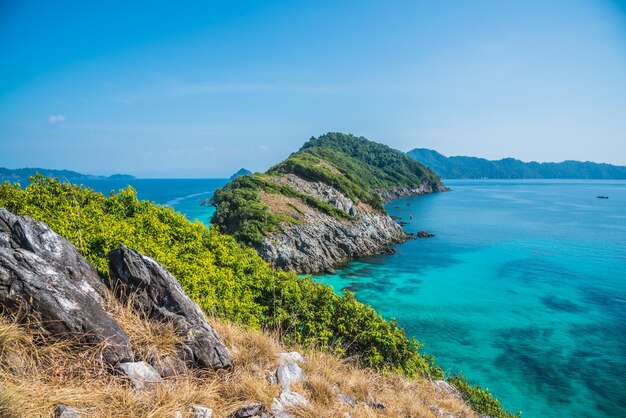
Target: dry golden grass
x=283, y=205
x=37, y=373
x=150, y=340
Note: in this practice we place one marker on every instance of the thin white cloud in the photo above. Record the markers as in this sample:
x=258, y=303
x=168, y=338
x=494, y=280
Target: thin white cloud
x=201, y=89
x=56, y=118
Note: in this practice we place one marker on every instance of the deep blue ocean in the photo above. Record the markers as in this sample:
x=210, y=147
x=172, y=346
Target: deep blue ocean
x=523, y=288
x=184, y=195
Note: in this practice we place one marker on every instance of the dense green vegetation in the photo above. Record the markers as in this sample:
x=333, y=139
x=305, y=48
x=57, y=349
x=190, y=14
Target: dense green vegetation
x=241, y=213
x=479, y=398
x=356, y=166
x=224, y=278
x=360, y=167
x=510, y=168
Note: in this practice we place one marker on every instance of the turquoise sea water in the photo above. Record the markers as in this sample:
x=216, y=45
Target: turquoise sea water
x=523, y=288
x=184, y=195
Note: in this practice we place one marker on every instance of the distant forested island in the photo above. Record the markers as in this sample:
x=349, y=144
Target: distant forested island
x=240, y=172
x=21, y=173
x=461, y=167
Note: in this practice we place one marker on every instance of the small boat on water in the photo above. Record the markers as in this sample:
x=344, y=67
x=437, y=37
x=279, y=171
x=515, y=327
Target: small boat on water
x=602, y=197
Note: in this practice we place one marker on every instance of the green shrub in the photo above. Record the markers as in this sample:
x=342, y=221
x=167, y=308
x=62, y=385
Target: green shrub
x=480, y=399
x=241, y=213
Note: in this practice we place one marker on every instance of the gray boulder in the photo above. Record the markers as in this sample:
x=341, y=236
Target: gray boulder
x=447, y=388
x=198, y=411
x=140, y=373
x=286, y=401
x=65, y=411
x=157, y=293
x=254, y=410
x=346, y=399
x=169, y=366
x=290, y=357
x=288, y=374
x=42, y=274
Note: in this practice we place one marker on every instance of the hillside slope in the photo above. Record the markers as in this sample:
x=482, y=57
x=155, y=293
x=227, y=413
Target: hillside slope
x=323, y=204
x=510, y=168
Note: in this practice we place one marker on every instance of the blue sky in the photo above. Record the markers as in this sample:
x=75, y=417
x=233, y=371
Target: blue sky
x=183, y=89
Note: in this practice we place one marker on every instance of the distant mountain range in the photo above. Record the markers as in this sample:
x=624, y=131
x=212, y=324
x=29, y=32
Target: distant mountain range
x=21, y=173
x=510, y=168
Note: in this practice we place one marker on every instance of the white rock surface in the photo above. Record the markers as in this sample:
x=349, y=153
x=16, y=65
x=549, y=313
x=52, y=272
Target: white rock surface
x=446, y=387
x=198, y=411
x=286, y=401
x=141, y=374
x=291, y=357
x=65, y=411
x=287, y=374
x=346, y=399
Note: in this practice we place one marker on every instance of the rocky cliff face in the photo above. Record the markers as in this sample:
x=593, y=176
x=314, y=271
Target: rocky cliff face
x=42, y=274
x=320, y=240
x=400, y=192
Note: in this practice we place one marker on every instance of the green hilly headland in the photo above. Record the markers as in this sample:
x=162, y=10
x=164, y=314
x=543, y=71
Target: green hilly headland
x=323, y=204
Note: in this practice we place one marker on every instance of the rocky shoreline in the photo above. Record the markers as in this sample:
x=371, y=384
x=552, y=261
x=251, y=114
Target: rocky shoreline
x=400, y=192
x=321, y=241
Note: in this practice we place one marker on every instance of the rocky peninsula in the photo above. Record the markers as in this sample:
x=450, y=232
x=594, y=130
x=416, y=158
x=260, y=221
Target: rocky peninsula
x=324, y=204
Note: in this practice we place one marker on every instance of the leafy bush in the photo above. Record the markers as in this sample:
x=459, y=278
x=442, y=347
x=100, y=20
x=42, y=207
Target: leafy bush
x=241, y=213
x=480, y=399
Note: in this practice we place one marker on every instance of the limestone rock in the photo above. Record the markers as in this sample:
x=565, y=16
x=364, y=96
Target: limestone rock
x=140, y=373
x=169, y=366
x=286, y=401
x=156, y=292
x=400, y=192
x=440, y=413
x=65, y=411
x=320, y=240
x=291, y=357
x=288, y=374
x=376, y=404
x=198, y=411
x=45, y=274
x=446, y=387
x=346, y=399
x=254, y=410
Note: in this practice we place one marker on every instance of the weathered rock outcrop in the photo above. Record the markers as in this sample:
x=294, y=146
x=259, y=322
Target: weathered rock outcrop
x=140, y=373
x=157, y=293
x=400, y=192
x=320, y=240
x=43, y=274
